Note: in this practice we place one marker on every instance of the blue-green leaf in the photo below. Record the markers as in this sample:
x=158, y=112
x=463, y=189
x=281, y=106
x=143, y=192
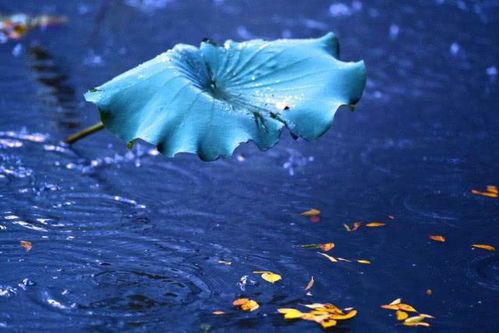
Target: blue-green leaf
x=208, y=100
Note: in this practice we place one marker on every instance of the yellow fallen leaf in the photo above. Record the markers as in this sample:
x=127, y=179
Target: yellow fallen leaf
x=326, y=246
x=375, y=224
x=290, y=313
x=27, y=245
x=223, y=262
x=397, y=301
x=484, y=247
x=269, y=276
x=415, y=319
x=426, y=316
x=348, y=315
x=390, y=307
x=398, y=305
x=333, y=259
x=421, y=323
x=401, y=315
x=363, y=261
x=328, y=308
x=250, y=306
x=491, y=192
x=328, y=323
x=492, y=189
x=311, y=212
x=240, y=301
x=217, y=313
x=310, y=284
x=406, y=307
x=246, y=304
x=437, y=238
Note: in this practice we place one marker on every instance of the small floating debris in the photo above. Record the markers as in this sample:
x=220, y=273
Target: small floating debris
x=491, y=191
x=17, y=26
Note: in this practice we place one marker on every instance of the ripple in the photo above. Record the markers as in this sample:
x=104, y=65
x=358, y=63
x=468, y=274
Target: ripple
x=485, y=272
x=413, y=158
x=451, y=206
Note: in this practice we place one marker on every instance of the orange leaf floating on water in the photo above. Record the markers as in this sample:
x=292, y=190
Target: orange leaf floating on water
x=310, y=284
x=326, y=246
x=269, y=276
x=491, y=192
x=484, y=247
x=223, y=262
x=246, y=304
x=437, y=238
x=375, y=224
x=492, y=189
x=401, y=315
x=218, y=313
x=27, y=245
x=311, y=212
x=363, y=261
x=333, y=259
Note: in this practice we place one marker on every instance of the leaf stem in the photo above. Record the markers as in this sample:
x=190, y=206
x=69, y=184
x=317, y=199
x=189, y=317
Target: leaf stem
x=84, y=132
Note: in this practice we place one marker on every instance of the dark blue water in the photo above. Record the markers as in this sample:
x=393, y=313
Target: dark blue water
x=130, y=241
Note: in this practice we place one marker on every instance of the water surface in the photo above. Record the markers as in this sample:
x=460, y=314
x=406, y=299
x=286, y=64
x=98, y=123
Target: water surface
x=131, y=241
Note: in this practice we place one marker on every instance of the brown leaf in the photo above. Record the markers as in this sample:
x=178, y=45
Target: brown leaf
x=27, y=245
x=401, y=315
x=363, y=261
